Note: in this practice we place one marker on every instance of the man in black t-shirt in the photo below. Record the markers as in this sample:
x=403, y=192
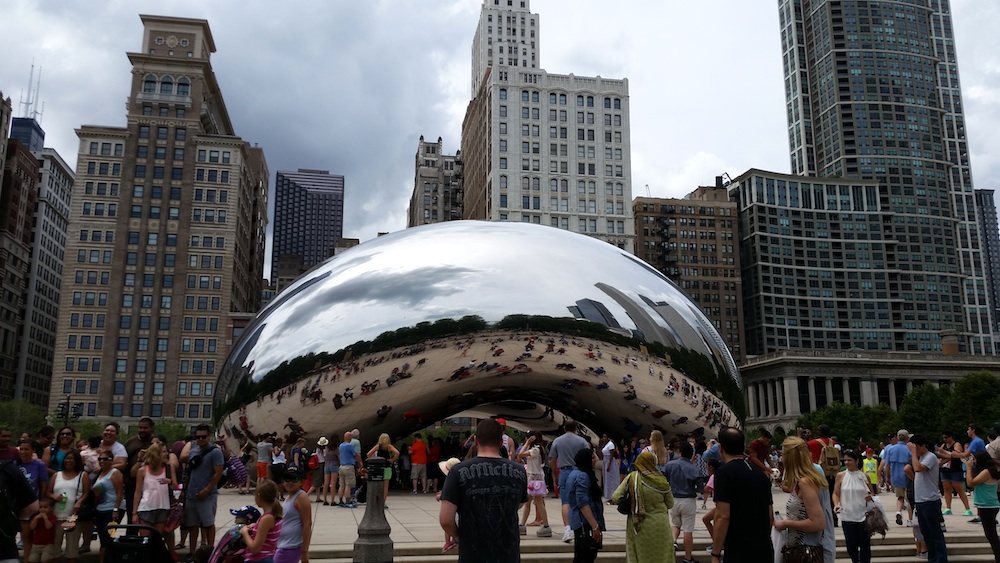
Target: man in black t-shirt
x=24, y=507
x=744, y=509
x=485, y=494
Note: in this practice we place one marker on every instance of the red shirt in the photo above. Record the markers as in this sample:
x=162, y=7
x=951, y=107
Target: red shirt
x=759, y=450
x=42, y=535
x=816, y=447
x=434, y=454
x=418, y=452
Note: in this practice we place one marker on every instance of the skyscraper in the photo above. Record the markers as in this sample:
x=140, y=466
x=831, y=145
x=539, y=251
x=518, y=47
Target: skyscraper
x=437, y=185
x=873, y=94
x=539, y=147
x=167, y=229
x=308, y=218
x=989, y=231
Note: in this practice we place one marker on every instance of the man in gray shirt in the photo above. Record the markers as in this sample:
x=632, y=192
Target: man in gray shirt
x=264, y=448
x=561, y=454
x=927, y=498
x=205, y=462
x=683, y=475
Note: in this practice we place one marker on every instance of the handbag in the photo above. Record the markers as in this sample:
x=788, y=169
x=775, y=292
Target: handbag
x=778, y=543
x=88, y=508
x=174, y=512
x=625, y=503
x=802, y=554
x=875, y=522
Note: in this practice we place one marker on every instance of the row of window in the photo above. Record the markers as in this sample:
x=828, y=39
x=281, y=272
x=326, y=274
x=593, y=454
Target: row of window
x=106, y=148
x=104, y=168
x=561, y=99
x=214, y=156
x=163, y=133
x=145, y=302
x=220, y=176
x=156, y=192
x=152, y=239
x=166, y=85
x=100, y=209
x=132, y=259
x=141, y=365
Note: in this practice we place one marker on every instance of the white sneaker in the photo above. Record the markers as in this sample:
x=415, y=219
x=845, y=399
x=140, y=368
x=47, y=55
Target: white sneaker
x=568, y=535
x=909, y=523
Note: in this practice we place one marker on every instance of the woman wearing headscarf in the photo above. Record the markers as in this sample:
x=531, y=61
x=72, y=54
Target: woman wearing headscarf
x=586, y=509
x=647, y=530
x=808, y=508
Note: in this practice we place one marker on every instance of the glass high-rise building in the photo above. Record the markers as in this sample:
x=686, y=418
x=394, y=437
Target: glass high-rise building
x=873, y=94
x=308, y=218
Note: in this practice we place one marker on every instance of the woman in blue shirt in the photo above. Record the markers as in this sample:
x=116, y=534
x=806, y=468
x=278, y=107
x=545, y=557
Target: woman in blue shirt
x=586, y=510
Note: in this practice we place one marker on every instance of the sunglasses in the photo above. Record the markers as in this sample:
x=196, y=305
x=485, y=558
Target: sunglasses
x=65, y=433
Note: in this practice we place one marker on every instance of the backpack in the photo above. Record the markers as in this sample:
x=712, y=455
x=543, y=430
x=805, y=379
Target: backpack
x=313, y=462
x=829, y=458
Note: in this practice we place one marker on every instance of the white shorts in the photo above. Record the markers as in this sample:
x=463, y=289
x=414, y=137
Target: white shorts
x=683, y=513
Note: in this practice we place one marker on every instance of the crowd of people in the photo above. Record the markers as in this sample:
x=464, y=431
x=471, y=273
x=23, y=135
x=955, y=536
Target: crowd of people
x=66, y=489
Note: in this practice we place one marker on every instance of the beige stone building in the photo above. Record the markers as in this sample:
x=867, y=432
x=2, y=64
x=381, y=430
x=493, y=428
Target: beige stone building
x=166, y=239
x=693, y=241
x=437, y=185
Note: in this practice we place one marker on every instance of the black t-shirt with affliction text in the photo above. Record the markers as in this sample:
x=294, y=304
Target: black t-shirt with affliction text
x=488, y=492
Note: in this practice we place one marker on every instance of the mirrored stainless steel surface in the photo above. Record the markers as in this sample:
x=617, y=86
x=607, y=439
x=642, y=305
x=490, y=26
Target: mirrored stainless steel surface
x=419, y=325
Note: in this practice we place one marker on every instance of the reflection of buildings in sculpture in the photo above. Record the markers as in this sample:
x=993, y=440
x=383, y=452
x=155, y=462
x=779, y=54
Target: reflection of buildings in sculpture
x=782, y=386
x=594, y=311
x=645, y=325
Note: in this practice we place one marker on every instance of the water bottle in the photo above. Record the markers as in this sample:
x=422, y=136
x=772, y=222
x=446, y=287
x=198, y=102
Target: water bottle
x=61, y=505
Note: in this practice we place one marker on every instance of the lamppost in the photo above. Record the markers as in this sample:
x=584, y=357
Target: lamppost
x=373, y=544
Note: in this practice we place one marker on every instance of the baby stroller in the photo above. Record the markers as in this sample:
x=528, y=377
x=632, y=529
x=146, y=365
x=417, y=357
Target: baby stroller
x=128, y=546
x=231, y=545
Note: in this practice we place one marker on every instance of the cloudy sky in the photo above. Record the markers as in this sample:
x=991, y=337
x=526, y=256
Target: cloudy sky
x=351, y=86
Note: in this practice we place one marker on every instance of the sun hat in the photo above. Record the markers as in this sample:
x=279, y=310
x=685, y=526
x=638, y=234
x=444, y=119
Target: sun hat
x=323, y=441
x=446, y=466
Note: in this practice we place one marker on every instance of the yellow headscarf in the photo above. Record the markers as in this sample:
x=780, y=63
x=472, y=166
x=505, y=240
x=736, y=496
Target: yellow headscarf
x=646, y=475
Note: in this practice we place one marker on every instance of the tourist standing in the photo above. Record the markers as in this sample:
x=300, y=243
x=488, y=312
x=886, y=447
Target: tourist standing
x=385, y=450
x=37, y=474
x=135, y=448
x=611, y=473
x=154, y=483
x=296, y=521
x=647, y=527
x=68, y=487
x=808, y=510
x=683, y=476
x=108, y=490
x=204, y=465
x=586, y=509
x=264, y=448
x=744, y=509
x=561, y=458
x=418, y=463
x=897, y=456
x=480, y=500
x=350, y=461
x=851, y=496
x=927, y=498
x=982, y=474
x=951, y=454
x=261, y=537
x=531, y=454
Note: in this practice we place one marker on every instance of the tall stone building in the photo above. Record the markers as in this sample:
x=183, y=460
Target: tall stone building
x=308, y=219
x=873, y=94
x=437, y=185
x=543, y=148
x=167, y=230
x=693, y=242
x=50, y=224
x=17, y=209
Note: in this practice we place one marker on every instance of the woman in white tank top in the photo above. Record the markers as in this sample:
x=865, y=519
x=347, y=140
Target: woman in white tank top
x=154, y=482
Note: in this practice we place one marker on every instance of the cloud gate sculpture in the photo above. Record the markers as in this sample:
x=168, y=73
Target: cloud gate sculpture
x=529, y=321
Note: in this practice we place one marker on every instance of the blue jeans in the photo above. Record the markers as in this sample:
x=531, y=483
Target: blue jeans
x=930, y=519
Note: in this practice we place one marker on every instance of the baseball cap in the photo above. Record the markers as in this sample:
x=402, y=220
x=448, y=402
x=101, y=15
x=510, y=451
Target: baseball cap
x=249, y=512
x=869, y=451
x=903, y=435
x=293, y=474
x=446, y=466
x=501, y=422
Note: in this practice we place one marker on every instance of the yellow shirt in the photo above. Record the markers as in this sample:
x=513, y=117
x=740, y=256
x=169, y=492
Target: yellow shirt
x=870, y=466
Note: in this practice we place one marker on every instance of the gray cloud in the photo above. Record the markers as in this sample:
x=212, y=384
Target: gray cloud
x=350, y=86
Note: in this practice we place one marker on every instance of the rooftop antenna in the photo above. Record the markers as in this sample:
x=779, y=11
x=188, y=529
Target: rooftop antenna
x=29, y=103
x=647, y=191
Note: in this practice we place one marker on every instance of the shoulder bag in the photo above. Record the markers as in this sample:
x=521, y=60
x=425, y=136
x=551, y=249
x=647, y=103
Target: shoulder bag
x=625, y=503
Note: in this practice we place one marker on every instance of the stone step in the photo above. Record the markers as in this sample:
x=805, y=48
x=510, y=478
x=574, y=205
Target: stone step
x=961, y=548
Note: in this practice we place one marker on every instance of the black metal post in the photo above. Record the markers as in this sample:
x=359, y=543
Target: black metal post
x=373, y=544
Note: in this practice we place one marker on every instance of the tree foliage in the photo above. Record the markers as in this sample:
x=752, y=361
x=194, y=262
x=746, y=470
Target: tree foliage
x=20, y=416
x=975, y=399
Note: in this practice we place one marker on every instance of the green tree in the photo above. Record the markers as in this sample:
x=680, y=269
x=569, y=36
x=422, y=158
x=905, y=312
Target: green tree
x=922, y=410
x=974, y=400
x=849, y=423
x=20, y=416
